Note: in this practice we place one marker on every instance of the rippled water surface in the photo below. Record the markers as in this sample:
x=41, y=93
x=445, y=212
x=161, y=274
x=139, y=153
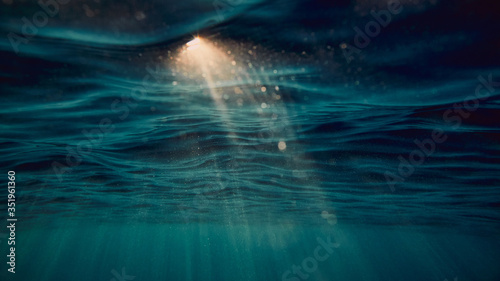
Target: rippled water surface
x=276, y=129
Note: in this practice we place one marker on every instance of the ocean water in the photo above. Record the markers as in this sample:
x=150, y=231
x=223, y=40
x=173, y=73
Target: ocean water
x=250, y=140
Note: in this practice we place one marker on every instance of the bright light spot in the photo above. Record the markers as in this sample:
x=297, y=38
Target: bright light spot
x=263, y=105
x=193, y=44
x=263, y=89
x=282, y=145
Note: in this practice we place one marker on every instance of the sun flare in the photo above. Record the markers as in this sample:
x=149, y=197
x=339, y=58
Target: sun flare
x=193, y=44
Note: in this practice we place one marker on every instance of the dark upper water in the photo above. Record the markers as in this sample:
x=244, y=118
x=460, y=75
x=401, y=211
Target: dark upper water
x=228, y=158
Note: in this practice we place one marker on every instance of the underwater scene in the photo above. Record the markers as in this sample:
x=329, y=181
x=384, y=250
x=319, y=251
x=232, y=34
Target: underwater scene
x=266, y=140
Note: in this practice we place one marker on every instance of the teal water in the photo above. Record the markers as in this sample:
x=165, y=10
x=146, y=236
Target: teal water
x=139, y=156
x=251, y=252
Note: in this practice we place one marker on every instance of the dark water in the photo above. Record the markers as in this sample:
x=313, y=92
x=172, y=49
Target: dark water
x=284, y=139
